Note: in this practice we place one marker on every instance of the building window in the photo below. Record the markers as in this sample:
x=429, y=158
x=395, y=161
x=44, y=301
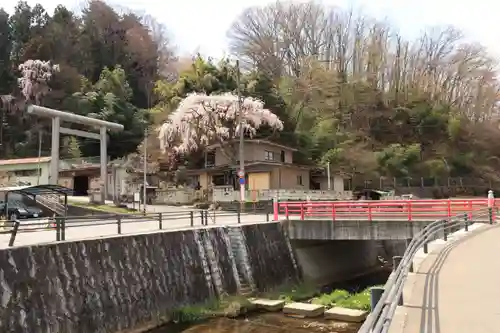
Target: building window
x=218, y=180
x=282, y=156
x=347, y=184
x=299, y=180
x=210, y=159
x=269, y=155
x=27, y=173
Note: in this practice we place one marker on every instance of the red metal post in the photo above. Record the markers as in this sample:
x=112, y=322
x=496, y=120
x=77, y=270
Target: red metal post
x=410, y=217
x=275, y=209
x=369, y=212
x=333, y=211
x=302, y=210
x=449, y=208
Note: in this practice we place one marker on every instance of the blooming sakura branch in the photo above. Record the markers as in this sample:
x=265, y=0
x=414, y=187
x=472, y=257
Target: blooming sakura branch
x=202, y=120
x=35, y=76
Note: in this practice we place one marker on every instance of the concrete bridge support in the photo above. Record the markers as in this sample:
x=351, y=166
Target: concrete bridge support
x=325, y=262
x=353, y=230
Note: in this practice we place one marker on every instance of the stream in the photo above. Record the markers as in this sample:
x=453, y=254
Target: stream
x=266, y=323
x=278, y=323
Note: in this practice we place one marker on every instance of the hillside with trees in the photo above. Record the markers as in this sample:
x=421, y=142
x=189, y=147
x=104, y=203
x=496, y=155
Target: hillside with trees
x=348, y=89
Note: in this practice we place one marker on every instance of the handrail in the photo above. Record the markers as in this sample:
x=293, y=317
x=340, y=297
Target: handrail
x=51, y=201
x=381, y=316
x=373, y=210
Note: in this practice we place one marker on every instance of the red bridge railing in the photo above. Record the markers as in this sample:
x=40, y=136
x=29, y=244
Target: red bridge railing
x=408, y=210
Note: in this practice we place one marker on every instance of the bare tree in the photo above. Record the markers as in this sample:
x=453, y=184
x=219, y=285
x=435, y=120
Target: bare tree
x=282, y=38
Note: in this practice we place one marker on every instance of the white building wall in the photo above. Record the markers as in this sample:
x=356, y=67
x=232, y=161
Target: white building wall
x=27, y=173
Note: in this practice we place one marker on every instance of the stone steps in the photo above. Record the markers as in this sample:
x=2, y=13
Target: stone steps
x=240, y=255
x=303, y=310
x=307, y=310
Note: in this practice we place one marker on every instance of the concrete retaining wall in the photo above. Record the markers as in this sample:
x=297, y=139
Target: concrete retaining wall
x=117, y=284
x=129, y=282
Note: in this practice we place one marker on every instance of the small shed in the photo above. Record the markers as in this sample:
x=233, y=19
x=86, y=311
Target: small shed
x=51, y=194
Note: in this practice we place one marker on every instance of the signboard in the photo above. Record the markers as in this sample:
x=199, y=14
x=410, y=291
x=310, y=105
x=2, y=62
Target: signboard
x=241, y=173
x=242, y=181
x=137, y=197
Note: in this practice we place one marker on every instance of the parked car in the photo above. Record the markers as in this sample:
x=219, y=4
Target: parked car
x=17, y=210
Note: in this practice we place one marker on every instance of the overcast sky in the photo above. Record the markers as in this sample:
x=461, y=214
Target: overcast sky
x=201, y=25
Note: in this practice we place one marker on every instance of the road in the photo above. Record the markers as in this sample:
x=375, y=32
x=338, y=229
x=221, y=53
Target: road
x=85, y=229
x=456, y=288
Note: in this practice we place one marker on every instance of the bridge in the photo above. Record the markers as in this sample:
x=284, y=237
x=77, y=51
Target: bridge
x=384, y=210
x=374, y=220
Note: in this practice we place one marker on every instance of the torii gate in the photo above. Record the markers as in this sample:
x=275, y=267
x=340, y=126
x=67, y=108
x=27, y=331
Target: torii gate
x=57, y=116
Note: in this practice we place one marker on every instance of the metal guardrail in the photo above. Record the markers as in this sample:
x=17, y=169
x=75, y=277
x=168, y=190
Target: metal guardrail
x=195, y=218
x=380, y=318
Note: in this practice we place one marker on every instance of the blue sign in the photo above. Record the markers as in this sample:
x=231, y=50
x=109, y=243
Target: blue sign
x=242, y=181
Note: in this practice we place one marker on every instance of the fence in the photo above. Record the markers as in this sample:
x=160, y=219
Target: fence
x=228, y=195
x=408, y=210
x=382, y=313
x=188, y=196
x=80, y=227
x=79, y=162
x=419, y=182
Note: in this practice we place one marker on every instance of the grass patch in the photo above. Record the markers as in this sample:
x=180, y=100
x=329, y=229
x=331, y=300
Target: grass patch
x=229, y=306
x=293, y=293
x=102, y=208
x=332, y=298
x=358, y=301
x=343, y=299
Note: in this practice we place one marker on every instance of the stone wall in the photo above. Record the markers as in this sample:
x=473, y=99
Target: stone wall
x=273, y=263
x=130, y=282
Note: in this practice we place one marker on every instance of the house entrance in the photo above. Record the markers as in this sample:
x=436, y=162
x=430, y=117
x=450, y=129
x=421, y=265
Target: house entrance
x=81, y=185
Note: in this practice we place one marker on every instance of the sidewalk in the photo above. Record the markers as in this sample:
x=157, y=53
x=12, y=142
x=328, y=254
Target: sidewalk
x=456, y=289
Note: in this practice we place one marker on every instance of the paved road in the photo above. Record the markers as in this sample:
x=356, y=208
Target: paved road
x=456, y=289
x=84, y=229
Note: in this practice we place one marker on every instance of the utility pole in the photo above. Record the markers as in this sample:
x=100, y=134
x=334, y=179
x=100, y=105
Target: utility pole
x=145, y=166
x=241, y=172
x=39, y=169
x=329, y=177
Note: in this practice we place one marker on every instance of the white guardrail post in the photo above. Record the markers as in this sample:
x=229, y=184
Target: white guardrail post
x=491, y=204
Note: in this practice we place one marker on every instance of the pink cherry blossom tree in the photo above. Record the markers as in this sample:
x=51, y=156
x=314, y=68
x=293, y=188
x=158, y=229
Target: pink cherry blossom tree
x=202, y=120
x=35, y=78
